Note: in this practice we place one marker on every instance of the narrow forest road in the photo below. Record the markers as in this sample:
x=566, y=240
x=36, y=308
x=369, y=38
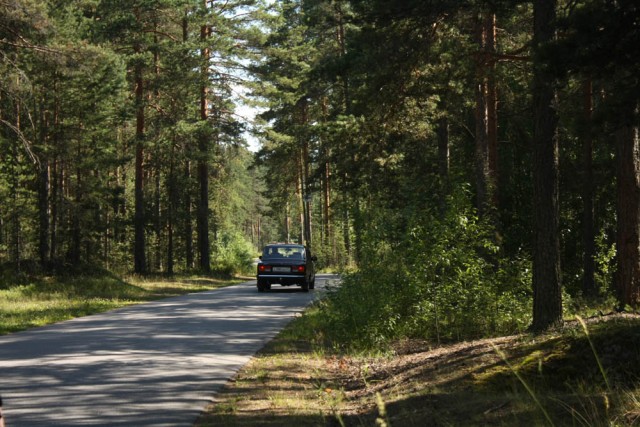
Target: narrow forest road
x=155, y=364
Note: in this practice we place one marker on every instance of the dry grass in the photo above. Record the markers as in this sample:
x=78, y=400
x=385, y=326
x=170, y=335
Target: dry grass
x=41, y=300
x=464, y=384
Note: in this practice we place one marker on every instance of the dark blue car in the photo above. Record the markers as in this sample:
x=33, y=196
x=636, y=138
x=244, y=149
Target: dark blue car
x=286, y=264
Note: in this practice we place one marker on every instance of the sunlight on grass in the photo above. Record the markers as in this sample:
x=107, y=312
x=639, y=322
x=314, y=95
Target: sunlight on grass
x=548, y=380
x=45, y=300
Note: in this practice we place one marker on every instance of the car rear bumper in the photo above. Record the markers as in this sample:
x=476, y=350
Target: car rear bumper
x=282, y=279
x=276, y=276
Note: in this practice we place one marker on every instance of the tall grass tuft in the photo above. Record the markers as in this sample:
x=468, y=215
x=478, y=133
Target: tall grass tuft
x=595, y=353
x=522, y=381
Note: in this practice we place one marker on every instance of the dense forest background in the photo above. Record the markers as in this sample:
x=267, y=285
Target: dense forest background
x=477, y=161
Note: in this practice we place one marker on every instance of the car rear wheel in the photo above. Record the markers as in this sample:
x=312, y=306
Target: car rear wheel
x=262, y=286
x=305, y=286
x=312, y=284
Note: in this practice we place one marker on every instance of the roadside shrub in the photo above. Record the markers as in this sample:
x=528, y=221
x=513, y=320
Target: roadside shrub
x=233, y=254
x=444, y=280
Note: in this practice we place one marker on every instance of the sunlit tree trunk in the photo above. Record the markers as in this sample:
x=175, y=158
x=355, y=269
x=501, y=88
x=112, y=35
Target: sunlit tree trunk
x=486, y=120
x=287, y=222
x=481, y=137
x=202, y=219
x=43, y=192
x=304, y=176
x=492, y=109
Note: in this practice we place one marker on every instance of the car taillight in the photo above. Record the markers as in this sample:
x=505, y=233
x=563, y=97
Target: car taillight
x=264, y=268
x=298, y=269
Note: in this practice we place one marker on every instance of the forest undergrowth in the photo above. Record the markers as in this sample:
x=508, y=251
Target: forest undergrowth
x=573, y=376
x=433, y=329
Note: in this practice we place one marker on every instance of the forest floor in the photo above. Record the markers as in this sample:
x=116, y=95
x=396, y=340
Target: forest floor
x=580, y=375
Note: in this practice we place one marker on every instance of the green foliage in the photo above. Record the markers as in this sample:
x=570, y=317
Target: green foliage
x=605, y=266
x=444, y=280
x=233, y=254
x=365, y=102
x=86, y=83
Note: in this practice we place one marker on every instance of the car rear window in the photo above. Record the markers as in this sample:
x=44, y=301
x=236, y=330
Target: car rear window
x=289, y=252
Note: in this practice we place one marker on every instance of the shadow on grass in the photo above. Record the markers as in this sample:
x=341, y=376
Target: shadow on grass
x=20, y=320
x=467, y=384
x=32, y=300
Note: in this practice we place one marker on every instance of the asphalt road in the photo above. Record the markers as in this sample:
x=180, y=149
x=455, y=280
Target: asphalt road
x=155, y=364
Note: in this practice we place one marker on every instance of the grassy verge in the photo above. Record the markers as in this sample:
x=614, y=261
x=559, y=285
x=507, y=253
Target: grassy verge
x=38, y=301
x=555, y=379
x=287, y=383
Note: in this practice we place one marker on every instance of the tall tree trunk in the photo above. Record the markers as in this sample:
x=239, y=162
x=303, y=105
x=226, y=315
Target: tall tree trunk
x=547, y=296
x=157, y=220
x=492, y=109
x=202, y=219
x=287, y=222
x=300, y=197
x=140, y=259
x=188, y=219
x=481, y=113
x=55, y=180
x=327, y=237
x=342, y=43
x=628, y=210
x=55, y=185
x=326, y=207
x=304, y=176
x=43, y=193
x=76, y=232
x=358, y=226
x=170, y=210
x=346, y=227
x=486, y=138
x=202, y=214
x=16, y=246
x=349, y=196
x=588, y=229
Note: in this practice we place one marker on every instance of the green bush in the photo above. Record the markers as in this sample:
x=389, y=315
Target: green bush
x=445, y=280
x=233, y=254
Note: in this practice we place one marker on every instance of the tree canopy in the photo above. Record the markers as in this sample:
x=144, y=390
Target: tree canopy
x=476, y=162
